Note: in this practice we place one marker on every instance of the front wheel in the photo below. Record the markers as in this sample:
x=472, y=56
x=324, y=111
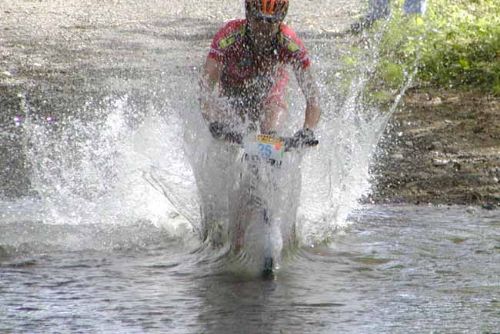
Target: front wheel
x=268, y=269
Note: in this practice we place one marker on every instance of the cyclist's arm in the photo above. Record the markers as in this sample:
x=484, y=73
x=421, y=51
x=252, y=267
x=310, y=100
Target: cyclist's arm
x=310, y=90
x=209, y=80
x=275, y=116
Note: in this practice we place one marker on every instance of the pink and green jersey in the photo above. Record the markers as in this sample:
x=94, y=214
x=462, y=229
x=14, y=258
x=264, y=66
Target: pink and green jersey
x=256, y=80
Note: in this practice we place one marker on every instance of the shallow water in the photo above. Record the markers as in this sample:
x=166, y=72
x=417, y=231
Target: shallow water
x=394, y=269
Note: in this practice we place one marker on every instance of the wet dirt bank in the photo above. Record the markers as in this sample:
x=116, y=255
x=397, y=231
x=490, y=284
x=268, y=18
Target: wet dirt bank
x=443, y=147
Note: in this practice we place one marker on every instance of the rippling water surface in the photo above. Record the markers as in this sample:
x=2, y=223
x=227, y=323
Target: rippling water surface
x=393, y=269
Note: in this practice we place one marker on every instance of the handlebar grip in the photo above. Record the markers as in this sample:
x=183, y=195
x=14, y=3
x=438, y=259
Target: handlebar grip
x=303, y=138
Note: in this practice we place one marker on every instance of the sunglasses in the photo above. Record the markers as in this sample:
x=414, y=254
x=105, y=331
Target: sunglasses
x=267, y=19
x=258, y=16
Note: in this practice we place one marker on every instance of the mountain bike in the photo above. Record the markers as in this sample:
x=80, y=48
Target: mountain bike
x=263, y=204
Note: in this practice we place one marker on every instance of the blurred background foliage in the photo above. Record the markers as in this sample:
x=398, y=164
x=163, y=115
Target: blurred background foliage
x=456, y=44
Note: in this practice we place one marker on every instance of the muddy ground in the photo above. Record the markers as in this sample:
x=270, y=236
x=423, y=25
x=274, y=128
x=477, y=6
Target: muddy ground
x=442, y=146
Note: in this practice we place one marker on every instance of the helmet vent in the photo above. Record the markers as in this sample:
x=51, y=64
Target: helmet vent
x=269, y=6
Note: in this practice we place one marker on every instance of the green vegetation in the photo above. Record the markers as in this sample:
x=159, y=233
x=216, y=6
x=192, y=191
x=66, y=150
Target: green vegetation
x=455, y=44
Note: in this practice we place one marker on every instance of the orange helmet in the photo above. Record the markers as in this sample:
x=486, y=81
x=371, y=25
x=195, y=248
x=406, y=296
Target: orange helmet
x=267, y=10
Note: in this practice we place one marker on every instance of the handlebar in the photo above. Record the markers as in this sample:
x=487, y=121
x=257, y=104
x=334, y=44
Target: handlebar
x=302, y=138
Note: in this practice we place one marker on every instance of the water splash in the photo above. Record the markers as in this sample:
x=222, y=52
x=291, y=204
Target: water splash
x=337, y=175
x=110, y=171
x=92, y=172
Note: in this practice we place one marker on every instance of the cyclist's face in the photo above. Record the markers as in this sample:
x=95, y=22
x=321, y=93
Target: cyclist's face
x=262, y=28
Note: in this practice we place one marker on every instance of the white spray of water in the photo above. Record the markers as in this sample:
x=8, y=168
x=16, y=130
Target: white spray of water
x=93, y=173
x=109, y=172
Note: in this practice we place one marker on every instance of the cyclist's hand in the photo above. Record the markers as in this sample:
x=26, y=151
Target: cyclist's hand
x=306, y=137
x=222, y=131
x=217, y=129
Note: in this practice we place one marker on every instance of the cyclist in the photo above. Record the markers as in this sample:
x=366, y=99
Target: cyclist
x=245, y=75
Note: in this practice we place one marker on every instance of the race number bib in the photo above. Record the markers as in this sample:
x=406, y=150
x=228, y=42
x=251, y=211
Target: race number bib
x=267, y=148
